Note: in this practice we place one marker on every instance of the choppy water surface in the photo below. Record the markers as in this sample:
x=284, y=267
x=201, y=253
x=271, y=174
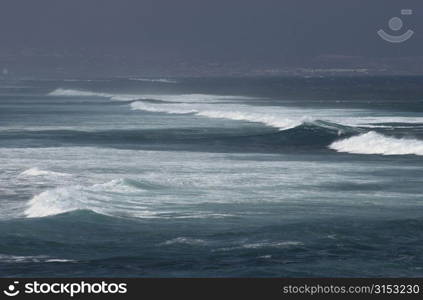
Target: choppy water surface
x=211, y=177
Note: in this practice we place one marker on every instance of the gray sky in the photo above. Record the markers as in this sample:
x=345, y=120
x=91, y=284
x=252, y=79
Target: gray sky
x=279, y=32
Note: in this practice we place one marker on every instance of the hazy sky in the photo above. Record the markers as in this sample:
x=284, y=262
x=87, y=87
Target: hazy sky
x=280, y=31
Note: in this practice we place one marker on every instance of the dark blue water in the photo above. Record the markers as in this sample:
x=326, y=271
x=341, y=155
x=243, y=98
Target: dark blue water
x=257, y=177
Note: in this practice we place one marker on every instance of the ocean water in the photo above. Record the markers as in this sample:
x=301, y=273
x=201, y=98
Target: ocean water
x=217, y=177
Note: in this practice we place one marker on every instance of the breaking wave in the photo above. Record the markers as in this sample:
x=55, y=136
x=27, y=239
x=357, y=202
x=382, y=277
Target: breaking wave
x=272, y=121
x=184, y=98
x=210, y=112
x=229, y=107
x=279, y=117
x=77, y=93
x=375, y=143
x=65, y=199
x=39, y=172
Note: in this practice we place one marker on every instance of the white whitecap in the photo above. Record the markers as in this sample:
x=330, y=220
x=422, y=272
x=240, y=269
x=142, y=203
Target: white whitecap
x=283, y=244
x=231, y=107
x=375, y=143
x=183, y=98
x=38, y=172
x=243, y=113
x=163, y=108
x=77, y=93
x=100, y=198
x=5, y=258
x=186, y=241
x=263, y=244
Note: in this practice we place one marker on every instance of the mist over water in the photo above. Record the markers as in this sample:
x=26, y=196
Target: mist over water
x=211, y=177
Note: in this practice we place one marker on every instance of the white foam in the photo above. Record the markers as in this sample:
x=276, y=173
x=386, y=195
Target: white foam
x=180, y=99
x=98, y=198
x=163, y=108
x=183, y=98
x=186, y=241
x=274, y=116
x=38, y=172
x=281, y=123
x=77, y=93
x=81, y=93
x=195, y=98
x=59, y=260
x=115, y=186
x=31, y=259
x=56, y=201
x=210, y=111
x=203, y=215
x=229, y=107
x=375, y=143
x=263, y=244
x=284, y=244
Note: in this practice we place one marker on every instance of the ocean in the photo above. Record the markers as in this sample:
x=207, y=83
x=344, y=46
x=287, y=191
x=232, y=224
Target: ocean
x=211, y=177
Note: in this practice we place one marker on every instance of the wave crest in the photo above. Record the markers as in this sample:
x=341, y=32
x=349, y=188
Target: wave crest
x=38, y=172
x=5, y=258
x=66, y=199
x=186, y=241
x=255, y=117
x=233, y=107
x=375, y=143
x=183, y=98
x=77, y=93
